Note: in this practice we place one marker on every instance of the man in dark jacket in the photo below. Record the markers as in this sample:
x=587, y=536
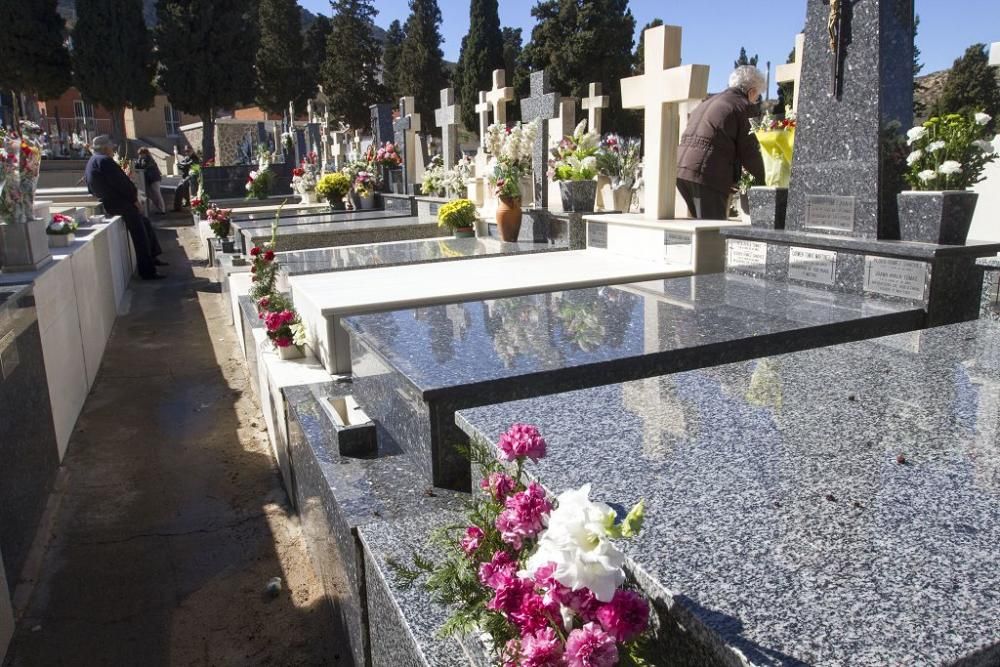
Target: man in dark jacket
x=717, y=145
x=106, y=181
x=182, y=195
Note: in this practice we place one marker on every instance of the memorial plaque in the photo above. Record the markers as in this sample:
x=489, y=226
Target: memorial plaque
x=679, y=248
x=746, y=253
x=901, y=278
x=812, y=266
x=828, y=212
x=597, y=235
x=434, y=208
x=8, y=354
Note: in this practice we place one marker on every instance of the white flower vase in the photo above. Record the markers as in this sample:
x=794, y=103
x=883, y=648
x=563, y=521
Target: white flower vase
x=306, y=197
x=290, y=352
x=24, y=246
x=61, y=240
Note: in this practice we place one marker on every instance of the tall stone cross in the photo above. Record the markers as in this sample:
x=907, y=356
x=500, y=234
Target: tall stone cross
x=663, y=87
x=595, y=104
x=483, y=110
x=447, y=118
x=406, y=128
x=792, y=72
x=543, y=105
x=337, y=149
x=995, y=54
x=500, y=96
x=381, y=123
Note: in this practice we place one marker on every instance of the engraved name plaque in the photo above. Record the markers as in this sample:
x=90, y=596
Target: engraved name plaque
x=679, y=248
x=829, y=212
x=597, y=235
x=746, y=254
x=901, y=278
x=812, y=266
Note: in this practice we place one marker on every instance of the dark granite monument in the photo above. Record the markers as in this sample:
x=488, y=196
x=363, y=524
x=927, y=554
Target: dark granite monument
x=381, y=123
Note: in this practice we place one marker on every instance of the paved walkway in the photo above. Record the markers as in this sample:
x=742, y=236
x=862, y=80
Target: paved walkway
x=171, y=518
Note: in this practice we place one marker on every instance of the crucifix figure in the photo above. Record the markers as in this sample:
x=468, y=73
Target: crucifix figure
x=500, y=96
x=835, y=27
x=446, y=118
x=792, y=72
x=543, y=105
x=406, y=128
x=594, y=105
x=660, y=91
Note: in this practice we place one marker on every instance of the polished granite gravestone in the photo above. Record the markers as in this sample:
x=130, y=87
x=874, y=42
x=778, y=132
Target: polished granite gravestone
x=379, y=229
x=244, y=213
x=29, y=455
x=412, y=369
x=830, y=507
x=230, y=182
x=250, y=232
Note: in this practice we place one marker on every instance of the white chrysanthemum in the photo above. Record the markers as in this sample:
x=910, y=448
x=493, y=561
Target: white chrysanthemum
x=914, y=156
x=576, y=540
x=950, y=168
x=983, y=118
x=935, y=146
x=916, y=134
x=984, y=146
x=299, y=334
x=927, y=175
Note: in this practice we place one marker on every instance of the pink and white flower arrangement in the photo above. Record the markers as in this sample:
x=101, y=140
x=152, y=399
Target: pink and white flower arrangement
x=20, y=163
x=542, y=578
x=511, y=150
x=61, y=225
x=365, y=183
x=386, y=156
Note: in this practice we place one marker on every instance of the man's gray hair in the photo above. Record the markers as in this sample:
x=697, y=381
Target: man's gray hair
x=747, y=77
x=103, y=141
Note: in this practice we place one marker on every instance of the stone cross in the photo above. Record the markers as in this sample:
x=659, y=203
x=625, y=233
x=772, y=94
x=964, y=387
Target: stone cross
x=446, y=118
x=500, y=96
x=406, y=128
x=663, y=87
x=542, y=105
x=483, y=109
x=356, y=143
x=594, y=105
x=337, y=149
x=381, y=123
x=995, y=54
x=792, y=72
x=560, y=127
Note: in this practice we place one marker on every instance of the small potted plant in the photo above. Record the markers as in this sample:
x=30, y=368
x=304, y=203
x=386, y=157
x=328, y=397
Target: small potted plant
x=221, y=224
x=620, y=160
x=201, y=204
x=386, y=158
x=304, y=179
x=947, y=156
x=260, y=179
x=60, y=230
x=459, y=216
x=333, y=188
x=364, y=187
x=284, y=326
x=510, y=150
x=574, y=166
x=432, y=183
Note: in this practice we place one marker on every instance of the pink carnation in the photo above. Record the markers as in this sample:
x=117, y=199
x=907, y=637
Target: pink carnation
x=473, y=539
x=510, y=593
x=283, y=342
x=524, y=515
x=499, y=485
x=583, y=603
x=625, y=617
x=534, y=614
x=542, y=648
x=500, y=567
x=522, y=441
x=591, y=647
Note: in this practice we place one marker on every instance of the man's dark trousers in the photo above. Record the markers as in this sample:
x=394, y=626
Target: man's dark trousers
x=704, y=203
x=147, y=246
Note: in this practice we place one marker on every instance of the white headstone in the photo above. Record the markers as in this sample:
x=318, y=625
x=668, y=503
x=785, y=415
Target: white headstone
x=447, y=118
x=500, y=96
x=483, y=110
x=792, y=72
x=995, y=54
x=660, y=91
x=595, y=104
x=560, y=127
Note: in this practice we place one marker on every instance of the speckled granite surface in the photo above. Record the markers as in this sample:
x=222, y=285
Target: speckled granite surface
x=780, y=523
x=319, y=219
x=990, y=304
x=539, y=225
x=321, y=235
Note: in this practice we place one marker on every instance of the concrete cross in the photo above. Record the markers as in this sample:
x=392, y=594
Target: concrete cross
x=659, y=91
x=447, y=118
x=337, y=149
x=563, y=125
x=995, y=54
x=542, y=105
x=594, y=105
x=406, y=128
x=792, y=72
x=500, y=96
x=483, y=109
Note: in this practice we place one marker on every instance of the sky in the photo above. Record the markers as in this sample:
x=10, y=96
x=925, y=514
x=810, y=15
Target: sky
x=714, y=30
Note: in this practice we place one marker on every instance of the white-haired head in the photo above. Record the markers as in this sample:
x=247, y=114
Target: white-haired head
x=747, y=78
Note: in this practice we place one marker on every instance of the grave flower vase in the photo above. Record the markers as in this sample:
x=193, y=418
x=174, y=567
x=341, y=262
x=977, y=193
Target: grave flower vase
x=289, y=352
x=941, y=217
x=509, y=218
x=622, y=198
x=395, y=181
x=306, y=197
x=367, y=201
x=61, y=240
x=768, y=207
x=465, y=233
x=23, y=246
x=338, y=204
x=578, y=196
x=228, y=245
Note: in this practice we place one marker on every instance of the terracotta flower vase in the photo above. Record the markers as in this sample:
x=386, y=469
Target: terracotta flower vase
x=509, y=218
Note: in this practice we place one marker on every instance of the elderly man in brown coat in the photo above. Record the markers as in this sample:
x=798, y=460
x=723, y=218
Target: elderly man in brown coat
x=718, y=144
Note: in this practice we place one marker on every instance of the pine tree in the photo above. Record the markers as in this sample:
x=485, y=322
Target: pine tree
x=423, y=75
x=581, y=43
x=971, y=85
x=743, y=60
x=350, y=75
x=518, y=76
x=118, y=77
x=638, y=60
x=919, y=108
x=392, y=51
x=202, y=46
x=482, y=52
x=314, y=53
x=279, y=55
x=33, y=57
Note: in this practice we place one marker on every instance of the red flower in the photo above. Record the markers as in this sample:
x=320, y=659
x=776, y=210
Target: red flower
x=254, y=251
x=269, y=256
x=298, y=171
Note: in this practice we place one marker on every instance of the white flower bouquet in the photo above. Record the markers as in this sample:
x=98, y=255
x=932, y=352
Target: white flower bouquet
x=575, y=158
x=949, y=152
x=511, y=151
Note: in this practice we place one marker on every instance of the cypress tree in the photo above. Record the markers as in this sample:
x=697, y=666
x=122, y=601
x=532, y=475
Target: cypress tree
x=33, y=57
x=202, y=46
x=744, y=60
x=279, y=55
x=919, y=108
x=392, y=52
x=971, y=85
x=482, y=52
x=518, y=76
x=423, y=74
x=350, y=75
x=117, y=77
x=314, y=53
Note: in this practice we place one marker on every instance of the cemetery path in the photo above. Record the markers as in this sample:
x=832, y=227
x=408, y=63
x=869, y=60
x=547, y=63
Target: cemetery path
x=169, y=518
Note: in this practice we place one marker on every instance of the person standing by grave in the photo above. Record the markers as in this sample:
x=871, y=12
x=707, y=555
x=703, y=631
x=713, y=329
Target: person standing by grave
x=119, y=196
x=718, y=145
x=151, y=172
x=183, y=192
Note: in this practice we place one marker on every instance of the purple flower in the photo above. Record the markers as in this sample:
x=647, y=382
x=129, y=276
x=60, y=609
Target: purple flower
x=473, y=539
x=499, y=485
x=524, y=515
x=499, y=569
x=591, y=647
x=522, y=441
x=625, y=617
x=510, y=593
x=542, y=649
x=534, y=614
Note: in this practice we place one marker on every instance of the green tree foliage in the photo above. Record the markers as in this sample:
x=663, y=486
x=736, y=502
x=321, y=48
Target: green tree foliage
x=518, y=75
x=350, y=75
x=117, y=77
x=423, y=75
x=971, y=85
x=33, y=58
x=204, y=64
x=744, y=60
x=919, y=108
x=638, y=59
x=314, y=53
x=482, y=52
x=786, y=91
x=279, y=56
x=391, y=60
x=581, y=43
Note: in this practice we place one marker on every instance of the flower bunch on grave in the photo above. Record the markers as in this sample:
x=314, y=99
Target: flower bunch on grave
x=304, y=177
x=20, y=163
x=620, y=159
x=364, y=184
x=259, y=181
x=201, y=204
x=777, y=144
x=220, y=221
x=949, y=152
x=384, y=156
x=542, y=578
x=439, y=182
x=575, y=158
x=457, y=214
x=263, y=271
x=125, y=163
x=510, y=150
x=61, y=225
x=333, y=187
x=283, y=324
